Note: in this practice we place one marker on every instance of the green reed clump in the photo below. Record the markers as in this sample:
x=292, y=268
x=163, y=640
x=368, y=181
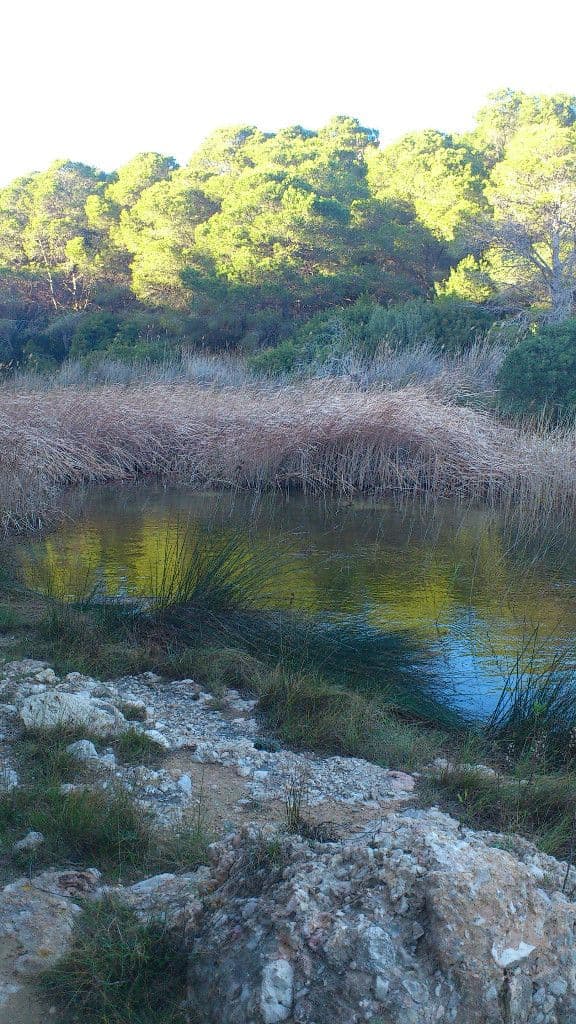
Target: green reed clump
x=306, y=710
x=119, y=970
x=204, y=572
x=536, y=713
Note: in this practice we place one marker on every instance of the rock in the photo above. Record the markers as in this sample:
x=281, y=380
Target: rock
x=185, y=784
x=53, y=709
x=413, y=921
x=37, y=917
x=25, y=668
x=9, y=779
x=46, y=675
x=167, y=896
x=83, y=750
x=158, y=738
x=276, y=991
x=31, y=841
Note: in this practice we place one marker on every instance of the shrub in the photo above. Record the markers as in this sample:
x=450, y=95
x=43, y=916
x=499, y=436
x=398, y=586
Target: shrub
x=540, y=372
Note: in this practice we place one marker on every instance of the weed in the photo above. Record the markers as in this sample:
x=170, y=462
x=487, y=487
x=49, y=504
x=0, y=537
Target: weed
x=9, y=617
x=296, y=801
x=83, y=826
x=540, y=807
x=134, y=747
x=132, y=712
x=119, y=970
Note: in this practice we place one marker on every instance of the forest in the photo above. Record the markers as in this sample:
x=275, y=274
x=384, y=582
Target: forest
x=294, y=247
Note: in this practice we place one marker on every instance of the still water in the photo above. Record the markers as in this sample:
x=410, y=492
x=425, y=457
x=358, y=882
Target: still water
x=473, y=590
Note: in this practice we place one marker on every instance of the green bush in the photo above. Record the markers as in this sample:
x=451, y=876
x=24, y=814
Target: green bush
x=539, y=374
x=449, y=324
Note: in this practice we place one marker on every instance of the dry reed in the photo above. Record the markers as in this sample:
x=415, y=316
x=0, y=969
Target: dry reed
x=317, y=437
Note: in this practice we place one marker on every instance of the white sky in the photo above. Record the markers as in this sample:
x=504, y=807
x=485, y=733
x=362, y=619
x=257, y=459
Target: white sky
x=101, y=82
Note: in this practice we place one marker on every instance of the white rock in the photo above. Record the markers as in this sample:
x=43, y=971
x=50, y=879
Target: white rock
x=83, y=750
x=53, y=709
x=9, y=779
x=185, y=784
x=47, y=675
x=31, y=841
x=510, y=956
x=277, y=991
x=157, y=737
x=150, y=884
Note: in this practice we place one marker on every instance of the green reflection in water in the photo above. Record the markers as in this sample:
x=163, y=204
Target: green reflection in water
x=460, y=578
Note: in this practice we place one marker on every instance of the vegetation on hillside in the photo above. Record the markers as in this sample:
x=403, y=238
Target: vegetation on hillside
x=298, y=246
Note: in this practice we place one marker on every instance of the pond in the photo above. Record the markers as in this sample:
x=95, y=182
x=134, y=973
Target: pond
x=477, y=592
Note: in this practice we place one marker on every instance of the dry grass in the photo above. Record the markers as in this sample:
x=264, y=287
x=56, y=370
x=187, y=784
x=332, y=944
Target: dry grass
x=320, y=436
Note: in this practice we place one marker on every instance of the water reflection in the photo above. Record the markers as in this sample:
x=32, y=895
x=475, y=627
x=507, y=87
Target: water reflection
x=461, y=580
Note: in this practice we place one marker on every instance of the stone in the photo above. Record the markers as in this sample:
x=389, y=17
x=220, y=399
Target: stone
x=37, y=917
x=9, y=779
x=83, y=750
x=53, y=709
x=276, y=991
x=31, y=841
x=46, y=675
x=332, y=933
x=510, y=957
x=185, y=784
x=158, y=738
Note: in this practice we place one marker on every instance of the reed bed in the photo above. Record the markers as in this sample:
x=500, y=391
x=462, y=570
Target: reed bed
x=321, y=436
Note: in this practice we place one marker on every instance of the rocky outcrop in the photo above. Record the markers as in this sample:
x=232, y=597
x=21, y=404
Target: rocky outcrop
x=413, y=921
x=37, y=918
x=402, y=917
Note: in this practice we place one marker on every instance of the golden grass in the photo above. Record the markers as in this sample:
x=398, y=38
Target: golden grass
x=319, y=436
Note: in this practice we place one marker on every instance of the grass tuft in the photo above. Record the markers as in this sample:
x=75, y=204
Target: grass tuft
x=134, y=747
x=119, y=970
x=539, y=806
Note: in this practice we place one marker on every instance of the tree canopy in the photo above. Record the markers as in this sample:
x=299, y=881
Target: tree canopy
x=260, y=231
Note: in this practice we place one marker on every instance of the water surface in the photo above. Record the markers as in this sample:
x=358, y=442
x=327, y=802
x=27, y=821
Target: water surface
x=471, y=588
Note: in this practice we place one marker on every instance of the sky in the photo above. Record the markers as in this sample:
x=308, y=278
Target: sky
x=101, y=82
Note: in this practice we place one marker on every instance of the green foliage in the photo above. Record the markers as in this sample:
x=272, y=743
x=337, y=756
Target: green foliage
x=305, y=709
x=199, y=572
x=449, y=324
x=83, y=826
x=525, y=800
x=540, y=372
x=134, y=747
x=119, y=970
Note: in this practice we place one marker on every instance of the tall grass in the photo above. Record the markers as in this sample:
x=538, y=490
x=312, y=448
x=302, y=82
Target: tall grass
x=535, y=717
x=212, y=573
x=316, y=436
x=119, y=970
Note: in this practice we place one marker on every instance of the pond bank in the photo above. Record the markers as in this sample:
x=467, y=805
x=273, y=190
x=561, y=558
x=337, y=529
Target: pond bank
x=330, y=858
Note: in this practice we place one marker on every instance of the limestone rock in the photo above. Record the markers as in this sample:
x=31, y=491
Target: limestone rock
x=83, y=750
x=31, y=841
x=37, y=917
x=413, y=921
x=52, y=709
